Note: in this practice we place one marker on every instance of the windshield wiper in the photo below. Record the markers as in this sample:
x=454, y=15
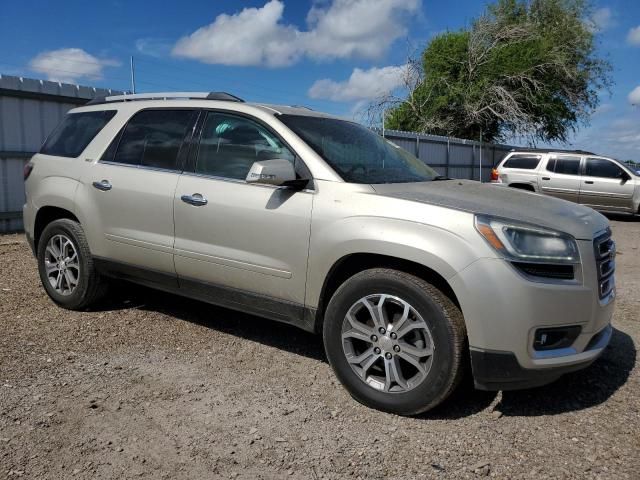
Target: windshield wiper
x=440, y=178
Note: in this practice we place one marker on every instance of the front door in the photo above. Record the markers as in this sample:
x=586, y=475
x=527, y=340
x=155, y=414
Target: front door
x=244, y=243
x=561, y=177
x=605, y=185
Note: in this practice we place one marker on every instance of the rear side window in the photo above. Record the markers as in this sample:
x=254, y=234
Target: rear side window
x=564, y=165
x=152, y=138
x=527, y=162
x=75, y=132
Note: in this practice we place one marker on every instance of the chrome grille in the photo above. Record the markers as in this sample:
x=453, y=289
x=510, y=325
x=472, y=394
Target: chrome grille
x=605, y=252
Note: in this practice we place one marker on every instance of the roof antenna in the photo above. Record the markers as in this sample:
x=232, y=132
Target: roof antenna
x=133, y=77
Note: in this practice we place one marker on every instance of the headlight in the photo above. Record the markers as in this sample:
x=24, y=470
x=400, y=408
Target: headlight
x=527, y=243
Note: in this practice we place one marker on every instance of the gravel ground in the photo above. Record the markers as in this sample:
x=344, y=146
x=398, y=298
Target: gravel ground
x=155, y=386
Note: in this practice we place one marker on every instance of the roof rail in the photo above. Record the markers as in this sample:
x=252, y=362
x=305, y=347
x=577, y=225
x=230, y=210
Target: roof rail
x=166, y=96
x=302, y=106
x=549, y=150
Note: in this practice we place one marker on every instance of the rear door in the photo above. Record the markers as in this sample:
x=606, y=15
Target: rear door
x=605, y=185
x=130, y=190
x=560, y=177
x=242, y=243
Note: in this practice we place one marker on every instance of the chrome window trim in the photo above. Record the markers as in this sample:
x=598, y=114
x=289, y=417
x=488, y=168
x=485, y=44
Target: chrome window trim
x=140, y=167
x=244, y=182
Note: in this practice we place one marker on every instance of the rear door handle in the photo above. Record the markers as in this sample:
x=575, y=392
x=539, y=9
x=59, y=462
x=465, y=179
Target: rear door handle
x=546, y=178
x=103, y=185
x=588, y=182
x=196, y=199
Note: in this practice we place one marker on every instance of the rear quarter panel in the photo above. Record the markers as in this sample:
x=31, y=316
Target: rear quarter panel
x=52, y=183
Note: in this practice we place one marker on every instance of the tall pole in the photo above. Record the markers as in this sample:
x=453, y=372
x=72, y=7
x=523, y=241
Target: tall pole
x=481, y=155
x=133, y=76
x=383, y=115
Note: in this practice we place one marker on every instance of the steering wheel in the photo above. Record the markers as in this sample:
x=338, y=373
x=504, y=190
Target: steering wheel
x=357, y=166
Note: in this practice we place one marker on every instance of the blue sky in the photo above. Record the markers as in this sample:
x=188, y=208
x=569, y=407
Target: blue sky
x=332, y=55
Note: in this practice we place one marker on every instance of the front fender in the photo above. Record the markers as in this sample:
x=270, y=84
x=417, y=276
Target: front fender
x=445, y=251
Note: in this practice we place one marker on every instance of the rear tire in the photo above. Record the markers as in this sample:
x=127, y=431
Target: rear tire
x=389, y=368
x=66, y=266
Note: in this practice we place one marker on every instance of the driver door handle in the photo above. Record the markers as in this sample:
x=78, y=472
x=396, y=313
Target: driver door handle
x=103, y=185
x=589, y=182
x=546, y=178
x=196, y=199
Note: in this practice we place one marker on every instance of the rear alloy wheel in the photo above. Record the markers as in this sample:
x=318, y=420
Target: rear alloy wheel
x=394, y=341
x=66, y=266
x=62, y=265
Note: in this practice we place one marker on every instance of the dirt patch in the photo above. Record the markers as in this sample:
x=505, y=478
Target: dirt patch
x=156, y=386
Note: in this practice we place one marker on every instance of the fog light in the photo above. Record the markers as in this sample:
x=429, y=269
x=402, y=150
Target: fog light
x=554, y=338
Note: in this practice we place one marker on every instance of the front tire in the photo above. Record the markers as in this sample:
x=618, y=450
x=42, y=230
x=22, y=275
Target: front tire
x=395, y=341
x=66, y=266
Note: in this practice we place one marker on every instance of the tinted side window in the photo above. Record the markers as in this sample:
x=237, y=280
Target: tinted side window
x=564, y=165
x=152, y=138
x=229, y=145
x=75, y=132
x=528, y=162
x=599, y=167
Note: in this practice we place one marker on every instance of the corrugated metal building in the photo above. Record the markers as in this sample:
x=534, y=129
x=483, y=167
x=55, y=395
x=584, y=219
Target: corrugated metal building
x=451, y=157
x=29, y=110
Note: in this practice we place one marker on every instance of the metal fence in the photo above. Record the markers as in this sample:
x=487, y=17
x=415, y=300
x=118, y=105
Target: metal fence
x=451, y=157
x=30, y=109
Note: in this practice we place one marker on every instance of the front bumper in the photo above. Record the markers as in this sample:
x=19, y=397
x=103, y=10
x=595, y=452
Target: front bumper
x=501, y=370
x=503, y=309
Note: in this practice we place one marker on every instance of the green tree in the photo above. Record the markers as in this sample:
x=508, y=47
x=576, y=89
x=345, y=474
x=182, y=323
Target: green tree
x=524, y=68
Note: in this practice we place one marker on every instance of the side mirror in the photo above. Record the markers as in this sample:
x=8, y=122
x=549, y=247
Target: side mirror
x=277, y=172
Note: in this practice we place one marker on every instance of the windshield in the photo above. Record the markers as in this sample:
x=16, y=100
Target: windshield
x=356, y=153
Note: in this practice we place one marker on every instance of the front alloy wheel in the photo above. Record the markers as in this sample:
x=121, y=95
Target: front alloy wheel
x=395, y=341
x=387, y=343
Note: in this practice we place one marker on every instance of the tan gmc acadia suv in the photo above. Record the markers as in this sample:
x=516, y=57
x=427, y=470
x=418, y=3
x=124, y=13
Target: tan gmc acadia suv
x=582, y=177
x=315, y=221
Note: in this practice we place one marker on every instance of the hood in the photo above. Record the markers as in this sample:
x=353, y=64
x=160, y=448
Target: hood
x=577, y=220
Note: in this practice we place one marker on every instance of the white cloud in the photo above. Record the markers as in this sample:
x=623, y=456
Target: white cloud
x=633, y=37
x=259, y=36
x=154, y=47
x=254, y=36
x=70, y=64
x=634, y=96
x=602, y=19
x=356, y=28
x=361, y=85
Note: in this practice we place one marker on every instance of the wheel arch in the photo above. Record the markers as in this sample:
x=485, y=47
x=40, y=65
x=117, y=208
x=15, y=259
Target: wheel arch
x=46, y=215
x=353, y=263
